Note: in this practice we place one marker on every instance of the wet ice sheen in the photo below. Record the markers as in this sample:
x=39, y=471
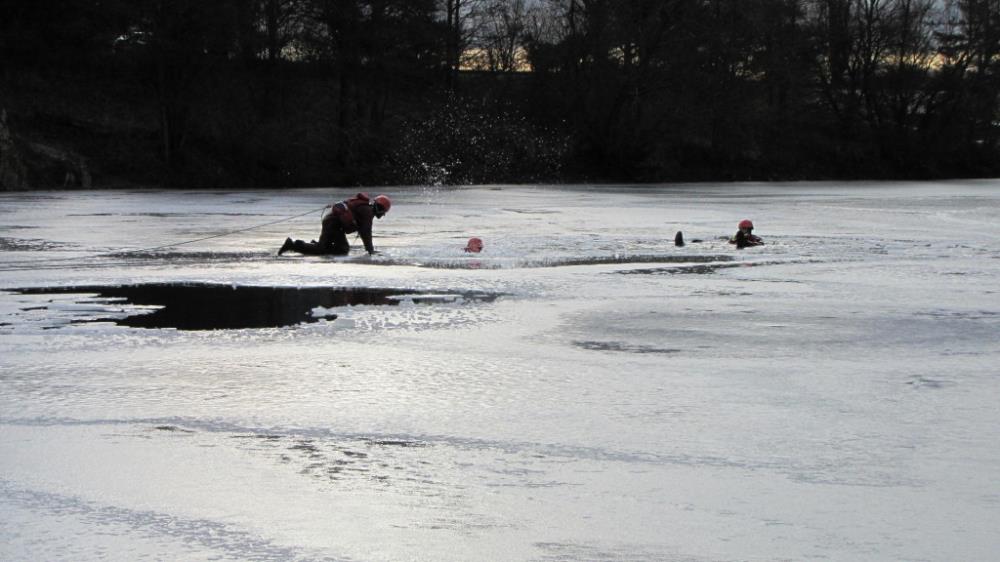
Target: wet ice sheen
x=830, y=395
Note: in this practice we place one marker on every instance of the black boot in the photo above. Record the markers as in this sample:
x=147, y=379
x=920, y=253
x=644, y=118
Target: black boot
x=288, y=245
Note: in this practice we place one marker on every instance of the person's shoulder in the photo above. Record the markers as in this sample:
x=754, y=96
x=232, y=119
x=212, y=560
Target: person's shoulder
x=365, y=211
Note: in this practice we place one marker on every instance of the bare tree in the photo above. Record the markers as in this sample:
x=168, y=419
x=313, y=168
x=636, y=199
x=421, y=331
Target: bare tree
x=280, y=22
x=500, y=43
x=908, y=88
x=463, y=24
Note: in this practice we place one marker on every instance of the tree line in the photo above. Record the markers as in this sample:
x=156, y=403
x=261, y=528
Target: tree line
x=314, y=92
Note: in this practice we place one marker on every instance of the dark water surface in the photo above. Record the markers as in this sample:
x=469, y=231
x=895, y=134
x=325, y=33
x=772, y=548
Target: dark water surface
x=229, y=307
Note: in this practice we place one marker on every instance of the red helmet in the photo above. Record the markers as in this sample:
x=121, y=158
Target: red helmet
x=746, y=224
x=382, y=203
x=475, y=245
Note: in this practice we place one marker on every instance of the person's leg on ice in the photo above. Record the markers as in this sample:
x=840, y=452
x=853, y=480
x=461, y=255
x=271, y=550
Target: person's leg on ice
x=331, y=241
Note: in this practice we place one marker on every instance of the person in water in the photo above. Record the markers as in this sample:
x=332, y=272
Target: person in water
x=340, y=219
x=474, y=246
x=744, y=237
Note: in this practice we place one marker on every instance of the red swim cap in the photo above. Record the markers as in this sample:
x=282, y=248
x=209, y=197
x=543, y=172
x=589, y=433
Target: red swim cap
x=475, y=245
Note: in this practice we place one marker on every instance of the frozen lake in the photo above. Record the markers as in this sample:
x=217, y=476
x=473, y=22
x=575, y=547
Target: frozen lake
x=581, y=390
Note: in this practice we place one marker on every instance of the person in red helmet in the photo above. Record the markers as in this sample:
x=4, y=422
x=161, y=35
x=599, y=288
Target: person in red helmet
x=474, y=245
x=340, y=219
x=744, y=237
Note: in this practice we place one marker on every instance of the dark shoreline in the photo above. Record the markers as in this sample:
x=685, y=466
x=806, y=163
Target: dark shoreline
x=242, y=94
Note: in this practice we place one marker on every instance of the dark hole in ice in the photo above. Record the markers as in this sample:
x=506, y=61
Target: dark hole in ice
x=226, y=307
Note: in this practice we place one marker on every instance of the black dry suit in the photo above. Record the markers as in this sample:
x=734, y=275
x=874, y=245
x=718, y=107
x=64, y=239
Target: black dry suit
x=744, y=239
x=343, y=218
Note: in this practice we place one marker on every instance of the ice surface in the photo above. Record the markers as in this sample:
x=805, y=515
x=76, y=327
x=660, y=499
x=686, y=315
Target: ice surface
x=831, y=395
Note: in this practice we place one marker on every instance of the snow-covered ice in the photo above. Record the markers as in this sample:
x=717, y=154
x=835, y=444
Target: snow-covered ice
x=580, y=390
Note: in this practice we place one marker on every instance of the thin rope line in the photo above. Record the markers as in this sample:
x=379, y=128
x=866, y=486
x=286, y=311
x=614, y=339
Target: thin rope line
x=25, y=264
x=153, y=249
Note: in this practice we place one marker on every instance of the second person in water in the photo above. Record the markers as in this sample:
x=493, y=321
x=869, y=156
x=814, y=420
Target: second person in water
x=744, y=237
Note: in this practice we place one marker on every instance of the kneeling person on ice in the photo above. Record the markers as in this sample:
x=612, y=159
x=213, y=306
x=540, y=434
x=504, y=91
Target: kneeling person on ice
x=340, y=219
x=744, y=237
